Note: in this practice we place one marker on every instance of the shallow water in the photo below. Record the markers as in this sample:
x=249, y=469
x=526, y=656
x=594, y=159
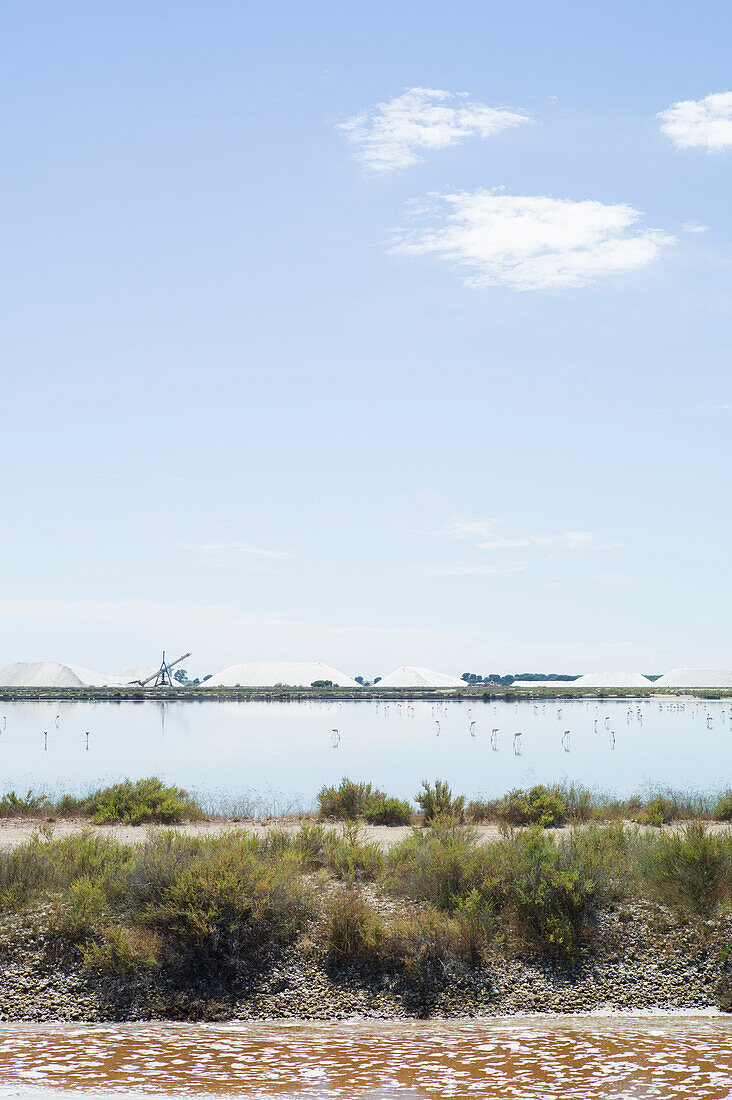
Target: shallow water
x=285, y=751
x=530, y=1058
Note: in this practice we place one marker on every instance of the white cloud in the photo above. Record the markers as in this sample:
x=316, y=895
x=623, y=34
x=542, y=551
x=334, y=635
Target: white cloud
x=694, y=227
x=532, y=242
x=237, y=549
x=393, y=135
x=705, y=123
x=469, y=569
x=487, y=537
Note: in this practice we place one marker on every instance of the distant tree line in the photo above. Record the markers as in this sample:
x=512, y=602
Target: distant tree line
x=495, y=678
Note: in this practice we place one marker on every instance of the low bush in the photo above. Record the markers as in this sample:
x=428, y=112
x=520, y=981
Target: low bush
x=70, y=805
x=723, y=807
x=80, y=915
x=141, y=802
x=30, y=805
x=215, y=903
x=439, y=866
x=120, y=951
x=436, y=801
x=544, y=894
x=479, y=810
x=688, y=871
x=385, y=810
x=353, y=932
x=346, y=802
x=539, y=805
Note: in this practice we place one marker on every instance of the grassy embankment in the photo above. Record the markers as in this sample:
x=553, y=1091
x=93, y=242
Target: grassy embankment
x=205, y=907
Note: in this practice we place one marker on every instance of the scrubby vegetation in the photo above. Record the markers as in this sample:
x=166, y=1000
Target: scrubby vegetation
x=141, y=802
x=144, y=801
x=436, y=802
x=350, y=801
x=206, y=908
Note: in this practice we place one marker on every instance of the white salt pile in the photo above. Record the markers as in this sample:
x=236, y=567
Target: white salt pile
x=133, y=673
x=50, y=674
x=613, y=680
x=409, y=676
x=269, y=673
x=696, y=678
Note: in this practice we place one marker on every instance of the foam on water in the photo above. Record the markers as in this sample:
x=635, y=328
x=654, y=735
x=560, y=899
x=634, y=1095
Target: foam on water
x=614, y=1058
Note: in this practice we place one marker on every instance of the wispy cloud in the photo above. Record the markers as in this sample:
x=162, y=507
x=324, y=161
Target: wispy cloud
x=532, y=242
x=700, y=123
x=470, y=569
x=694, y=227
x=238, y=550
x=393, y=135
x=487, y=536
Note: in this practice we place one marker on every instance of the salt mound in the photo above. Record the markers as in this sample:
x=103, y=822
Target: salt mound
x=410, y=677
x=133, y=673
x=49, y=674
x=269, y=673
x=696, y=678
x=612, y=680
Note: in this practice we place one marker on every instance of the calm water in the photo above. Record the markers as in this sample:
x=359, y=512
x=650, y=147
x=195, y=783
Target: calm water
x=285, y=751
x=609, y=1058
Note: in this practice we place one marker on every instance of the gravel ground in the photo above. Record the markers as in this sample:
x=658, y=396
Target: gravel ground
x=638, y=961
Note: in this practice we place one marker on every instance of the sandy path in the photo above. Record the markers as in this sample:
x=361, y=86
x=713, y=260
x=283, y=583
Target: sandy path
x=17, y=831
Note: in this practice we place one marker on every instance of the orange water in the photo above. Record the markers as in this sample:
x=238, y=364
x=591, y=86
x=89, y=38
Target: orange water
x=530, y=1058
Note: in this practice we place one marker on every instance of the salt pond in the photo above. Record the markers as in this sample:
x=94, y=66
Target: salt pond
x=285, y=751
x=534, y=1059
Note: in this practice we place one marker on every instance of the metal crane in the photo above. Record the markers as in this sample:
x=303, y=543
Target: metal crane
x=162, y=677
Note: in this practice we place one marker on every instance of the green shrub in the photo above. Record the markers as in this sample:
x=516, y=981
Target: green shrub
x=70, y=806
x=80, y=915
x=385, y=810
x=479, y=810
x=440, y=865
x=353, y=930
x=426, y=946
x=349, y=856
x=120, y=951
x=540, y=805
x=474, y=920
x=140, y=802
x=544, y=894
x=688, y=871
x=436, y=801
x=723, y=808
x=657, y=811
x=214, y=902
x=32, y=805
x=346, y=802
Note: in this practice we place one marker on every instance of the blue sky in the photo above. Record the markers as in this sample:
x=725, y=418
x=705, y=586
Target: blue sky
x=269, y=392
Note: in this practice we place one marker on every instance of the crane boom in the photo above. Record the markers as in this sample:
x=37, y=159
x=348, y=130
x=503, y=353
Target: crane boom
x=164, y=668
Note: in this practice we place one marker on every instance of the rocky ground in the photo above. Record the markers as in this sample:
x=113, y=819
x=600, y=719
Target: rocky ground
x=639, y=960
